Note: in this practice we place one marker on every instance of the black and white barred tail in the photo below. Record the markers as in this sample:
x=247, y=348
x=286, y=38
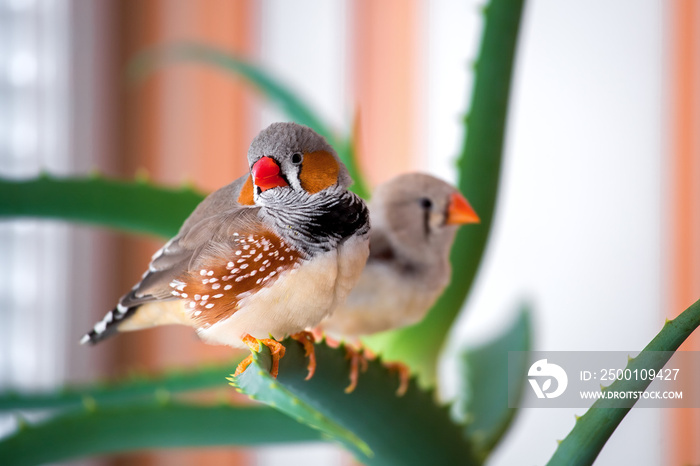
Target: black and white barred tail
x=109, y=325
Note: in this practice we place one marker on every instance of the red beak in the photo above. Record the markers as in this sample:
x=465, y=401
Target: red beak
x=266, y=174
x=460, y=212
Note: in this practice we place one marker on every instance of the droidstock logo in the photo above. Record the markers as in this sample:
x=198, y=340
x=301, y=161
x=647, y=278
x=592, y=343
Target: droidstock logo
x=546, y=372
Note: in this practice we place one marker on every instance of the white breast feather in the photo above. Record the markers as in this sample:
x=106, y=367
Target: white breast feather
x=382, y=300
x=298, y=299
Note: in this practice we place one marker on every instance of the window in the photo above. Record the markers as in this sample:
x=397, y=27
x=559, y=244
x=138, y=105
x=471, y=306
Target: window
x=34, y=136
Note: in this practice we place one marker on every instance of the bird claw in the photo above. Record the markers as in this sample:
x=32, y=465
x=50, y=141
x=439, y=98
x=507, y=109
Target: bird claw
x=243, y=365
x=359, y=358
x=404, y=375
x=358, y=363
x=276, y=348
x=319, y=335
x=307, y=340
x=317, y=332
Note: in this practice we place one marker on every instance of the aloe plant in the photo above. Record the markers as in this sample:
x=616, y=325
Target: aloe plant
x=139, y=387
x=374, y=423
x=417, y=418
x=97, y=200
x=135, y=426
x=485, y=391
x=408, y=430
x=592, y=430
x=90, y=416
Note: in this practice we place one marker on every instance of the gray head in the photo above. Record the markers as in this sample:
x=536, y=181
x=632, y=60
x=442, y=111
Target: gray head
x=293, y=157
x=419, y=215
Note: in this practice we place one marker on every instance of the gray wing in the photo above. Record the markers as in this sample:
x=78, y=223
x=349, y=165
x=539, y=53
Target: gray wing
x=382, y=250
x=211, y=220
x=174, y=258
x=380, y=247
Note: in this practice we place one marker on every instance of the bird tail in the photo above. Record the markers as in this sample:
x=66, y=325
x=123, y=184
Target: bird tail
x=109, y=325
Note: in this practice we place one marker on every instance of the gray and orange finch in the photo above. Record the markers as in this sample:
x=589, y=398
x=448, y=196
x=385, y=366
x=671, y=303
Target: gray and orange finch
x=271, y=254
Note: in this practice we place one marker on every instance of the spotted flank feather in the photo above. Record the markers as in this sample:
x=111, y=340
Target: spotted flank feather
x=246, y=264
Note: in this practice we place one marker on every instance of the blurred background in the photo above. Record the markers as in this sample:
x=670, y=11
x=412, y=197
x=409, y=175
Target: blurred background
x=598, y=219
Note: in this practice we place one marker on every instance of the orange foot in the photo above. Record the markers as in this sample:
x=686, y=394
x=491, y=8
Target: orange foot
x=319, y=335
x=307, y=339
x=358, y=363
x=404, y=375
x=276, y=351
x=317, y=332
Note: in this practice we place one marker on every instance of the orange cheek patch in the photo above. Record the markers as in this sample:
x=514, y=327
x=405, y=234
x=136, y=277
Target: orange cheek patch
x=319, y=171
x=246, y=195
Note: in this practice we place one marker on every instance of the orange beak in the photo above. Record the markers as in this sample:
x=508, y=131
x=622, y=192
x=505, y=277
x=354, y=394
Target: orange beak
x=459, y=211
x=266, y=174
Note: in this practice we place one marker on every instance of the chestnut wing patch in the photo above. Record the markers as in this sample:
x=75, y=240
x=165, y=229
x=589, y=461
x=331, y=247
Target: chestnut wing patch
x=229, y=272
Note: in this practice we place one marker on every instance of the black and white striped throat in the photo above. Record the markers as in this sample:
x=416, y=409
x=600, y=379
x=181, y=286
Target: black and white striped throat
x=319, y=222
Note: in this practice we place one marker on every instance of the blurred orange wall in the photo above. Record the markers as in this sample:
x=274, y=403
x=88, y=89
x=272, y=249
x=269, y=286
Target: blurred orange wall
x=684, y=208
x=385, y=40
x=185, y=123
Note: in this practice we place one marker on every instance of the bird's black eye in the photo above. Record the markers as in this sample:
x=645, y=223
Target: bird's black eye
x=296, y=158
x=426, y=203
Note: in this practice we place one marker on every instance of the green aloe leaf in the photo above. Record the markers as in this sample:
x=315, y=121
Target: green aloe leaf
x=348, y=154
x=148, y=61
x=125, y=205
x=593, y=429
x=479, y=170
x=135, y=387
x=484, y=389
x=257, y=383
x=130, y=427
x=374, y=423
